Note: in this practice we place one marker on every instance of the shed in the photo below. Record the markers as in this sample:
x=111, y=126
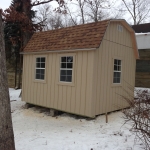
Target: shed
x=143, y=64
x=81, y=69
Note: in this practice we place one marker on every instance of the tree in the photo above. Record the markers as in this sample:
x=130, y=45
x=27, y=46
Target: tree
x=96, y=9
x=139, y=10
x=6, y=130
x=20, y=14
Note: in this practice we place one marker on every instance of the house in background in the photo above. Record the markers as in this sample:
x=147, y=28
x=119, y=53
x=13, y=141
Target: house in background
x=81, y=69
x=142, y=78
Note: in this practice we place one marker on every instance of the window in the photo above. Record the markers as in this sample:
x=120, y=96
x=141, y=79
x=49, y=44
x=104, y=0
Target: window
x=66, y=68
x=117, y=71
x=40, y=68
x=120, y=28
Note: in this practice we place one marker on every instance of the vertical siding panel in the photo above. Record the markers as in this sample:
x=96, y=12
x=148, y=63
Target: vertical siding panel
x=73, y=98
x=97, y=78
x=89, y=100
x=73, y=88
x=109, y=74
x=52, y=90
x=125, y=39
x=49, y=79
x=33, y=77
x=28, y=76
x=105, y=85
x=56, y=79
x=102, y=84
x=100, y=73
x=32, y=70
x=60, y=103
x=64, y=98
x=83, y=83
x=78, y=84
x=68, y=108
x=45, y=94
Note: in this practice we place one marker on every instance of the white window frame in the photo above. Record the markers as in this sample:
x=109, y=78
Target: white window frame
x=35, y=68
x=117, y=70
x=72, y=69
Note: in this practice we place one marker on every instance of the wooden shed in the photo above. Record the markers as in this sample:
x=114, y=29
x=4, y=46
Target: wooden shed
x=142, y=77
x=81, y=69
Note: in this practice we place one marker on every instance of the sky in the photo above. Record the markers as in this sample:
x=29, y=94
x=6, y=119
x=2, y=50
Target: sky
x=5, y=4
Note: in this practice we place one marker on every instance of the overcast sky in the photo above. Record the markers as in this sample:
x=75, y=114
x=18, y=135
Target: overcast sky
x=5, y=4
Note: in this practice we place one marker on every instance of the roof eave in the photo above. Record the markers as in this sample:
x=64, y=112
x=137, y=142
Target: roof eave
x=59, y=51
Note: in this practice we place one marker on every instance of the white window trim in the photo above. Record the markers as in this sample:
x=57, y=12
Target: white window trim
x=45, y=75
x=73, y=69
x=121, y=76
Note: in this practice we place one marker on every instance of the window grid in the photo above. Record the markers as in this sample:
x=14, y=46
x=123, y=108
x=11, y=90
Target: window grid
x=117, y=71
x=66, y=68
x=40, y=68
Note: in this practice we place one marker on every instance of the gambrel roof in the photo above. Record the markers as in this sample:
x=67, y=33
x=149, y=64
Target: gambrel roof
x=76, y=37
x=81, y=37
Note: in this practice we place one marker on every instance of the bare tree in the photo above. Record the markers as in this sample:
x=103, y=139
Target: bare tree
x=44, y=12
x=79, y=17
x=6, y=130
x=139, y=115
x=97, y=9
x=139, y=10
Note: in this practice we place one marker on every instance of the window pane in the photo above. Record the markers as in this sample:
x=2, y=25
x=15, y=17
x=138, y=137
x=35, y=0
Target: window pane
x=69, y=72
x=37, y=71
x=42, y=65
x=63, y=72
x=69, y=65
x=117, y=74
x=42, y=71
x=37, y=59
x=63, y=65
x=42, y=59
x=42, y=76
x=37, y=76
x=69, y=59
x=38, y=65
x=115, y=80
x=68, y=78
x=119, y=68
x=115, y=67
x=118, y=80
x=63, y=59
x=62, y=78
x=115, y=61
x=119, y=62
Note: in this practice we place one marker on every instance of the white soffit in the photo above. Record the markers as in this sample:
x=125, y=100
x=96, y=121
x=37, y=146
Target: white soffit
x=143, y=40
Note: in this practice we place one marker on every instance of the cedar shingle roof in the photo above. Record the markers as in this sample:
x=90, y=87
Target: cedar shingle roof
x=76, y=37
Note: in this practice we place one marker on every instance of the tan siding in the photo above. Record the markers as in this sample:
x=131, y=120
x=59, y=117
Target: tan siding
x=92, y=92
x=75, y=98
x=83, y=83
x=115, y=45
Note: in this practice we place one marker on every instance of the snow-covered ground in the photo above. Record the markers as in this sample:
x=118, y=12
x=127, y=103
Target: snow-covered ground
x=34, y=129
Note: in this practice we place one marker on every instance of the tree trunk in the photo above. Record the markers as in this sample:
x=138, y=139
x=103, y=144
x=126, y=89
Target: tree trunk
x=27, y=10
x=26, y=35
x=6, y=130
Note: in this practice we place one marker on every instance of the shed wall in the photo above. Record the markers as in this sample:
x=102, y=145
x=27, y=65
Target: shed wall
x=142, y=78
x=117, y=45
x=74, y=99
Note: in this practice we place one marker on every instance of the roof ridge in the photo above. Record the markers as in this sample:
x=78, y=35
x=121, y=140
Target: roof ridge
x=75, y=26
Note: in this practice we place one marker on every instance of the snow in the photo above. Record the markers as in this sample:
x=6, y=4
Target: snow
x=34, y=129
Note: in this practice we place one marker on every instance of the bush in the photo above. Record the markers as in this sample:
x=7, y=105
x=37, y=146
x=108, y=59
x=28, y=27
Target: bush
x=139, y=116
